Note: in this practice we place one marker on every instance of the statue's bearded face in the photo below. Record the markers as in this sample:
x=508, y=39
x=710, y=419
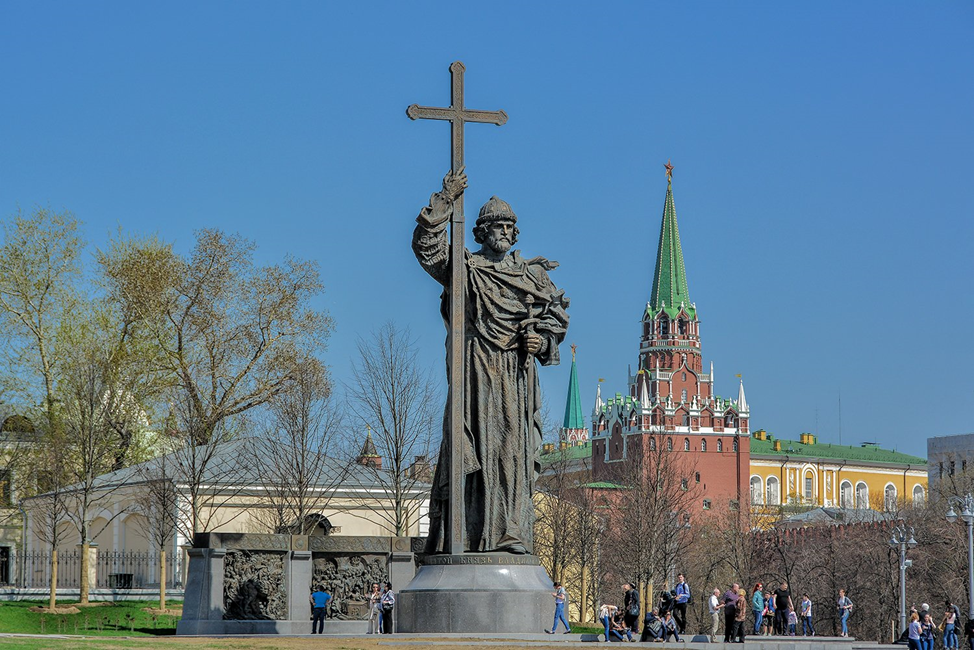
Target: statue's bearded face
x=500, y=236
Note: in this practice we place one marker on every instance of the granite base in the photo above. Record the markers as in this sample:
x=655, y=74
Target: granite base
x=477, y=593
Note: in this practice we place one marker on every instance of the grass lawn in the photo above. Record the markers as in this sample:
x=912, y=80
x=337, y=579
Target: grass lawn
x=114, y=619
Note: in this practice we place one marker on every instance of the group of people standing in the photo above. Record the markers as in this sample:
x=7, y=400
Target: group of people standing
x=773, y=612
x=668, y=619
x=381, y=604
x=923, y=628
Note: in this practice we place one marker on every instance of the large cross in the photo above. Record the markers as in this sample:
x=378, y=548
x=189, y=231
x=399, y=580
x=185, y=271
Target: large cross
x=457, y=115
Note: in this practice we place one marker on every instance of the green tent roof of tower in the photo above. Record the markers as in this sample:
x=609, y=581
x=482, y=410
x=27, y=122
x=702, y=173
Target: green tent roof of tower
x=573, y=408
x=670, y=280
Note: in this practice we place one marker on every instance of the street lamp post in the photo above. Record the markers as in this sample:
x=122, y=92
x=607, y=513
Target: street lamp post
x=903, y=539
x=966, y=504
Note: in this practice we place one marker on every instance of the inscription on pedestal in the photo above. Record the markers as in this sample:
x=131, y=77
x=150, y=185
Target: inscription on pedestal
x=490, y=560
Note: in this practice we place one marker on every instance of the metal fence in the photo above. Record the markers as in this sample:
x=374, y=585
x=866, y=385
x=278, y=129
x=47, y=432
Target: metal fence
x=110, y=570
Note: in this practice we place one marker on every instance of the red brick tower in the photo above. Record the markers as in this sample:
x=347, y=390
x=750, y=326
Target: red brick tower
x=670, y=401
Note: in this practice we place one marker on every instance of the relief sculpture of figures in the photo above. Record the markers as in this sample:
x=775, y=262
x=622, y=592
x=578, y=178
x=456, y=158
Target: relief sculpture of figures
x=514, y=316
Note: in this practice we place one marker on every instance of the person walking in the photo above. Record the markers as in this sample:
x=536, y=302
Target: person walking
x=606, y=612
x=375, y=610
x=630, y=607
x=319, y=600
x=681, y=602
x=845, y=608
x=561, y=598
x=731, y=597
x=714, y=606
x=757, y=607
x=807, y=629
x=388, y=602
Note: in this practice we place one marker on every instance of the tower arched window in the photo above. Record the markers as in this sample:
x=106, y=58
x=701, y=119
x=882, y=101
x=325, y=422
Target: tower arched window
x=682, y=326
x=664, y=327
x=669, y=444
x=686, y=444
x=757, y=491
x=735, y=445
x=652, y=444
x=720, y=445
x=703, y=444
x=809, y=492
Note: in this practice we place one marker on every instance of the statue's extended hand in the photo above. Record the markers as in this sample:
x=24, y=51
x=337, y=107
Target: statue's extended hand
x=532, y=343
x=454, y=183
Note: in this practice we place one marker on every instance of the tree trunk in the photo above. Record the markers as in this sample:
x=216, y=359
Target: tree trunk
x=583, y=596
x=83, y=598
x=52, y=602
x=162, y=578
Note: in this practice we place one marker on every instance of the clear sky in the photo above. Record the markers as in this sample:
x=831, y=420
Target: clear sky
x=823, y=180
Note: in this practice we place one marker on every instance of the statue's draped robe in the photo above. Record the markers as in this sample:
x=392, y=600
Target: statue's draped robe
x=501, y=439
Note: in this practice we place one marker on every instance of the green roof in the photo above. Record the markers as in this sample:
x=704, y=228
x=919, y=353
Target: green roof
x=869, y=453
x=670, y=278
x=573, y=408
x=583, y=450
x=605, y=485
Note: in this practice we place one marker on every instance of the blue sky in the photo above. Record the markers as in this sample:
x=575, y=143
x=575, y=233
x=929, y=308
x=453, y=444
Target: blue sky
x=822, y=183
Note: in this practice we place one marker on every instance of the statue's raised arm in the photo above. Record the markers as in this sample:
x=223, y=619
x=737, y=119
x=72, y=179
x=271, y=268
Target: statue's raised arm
x=430, y=241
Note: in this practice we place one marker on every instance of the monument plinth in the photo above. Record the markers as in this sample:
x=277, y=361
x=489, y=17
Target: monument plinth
x=476, y=593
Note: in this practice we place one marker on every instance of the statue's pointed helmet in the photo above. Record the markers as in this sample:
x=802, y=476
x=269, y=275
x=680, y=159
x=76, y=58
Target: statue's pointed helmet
x=496, y=210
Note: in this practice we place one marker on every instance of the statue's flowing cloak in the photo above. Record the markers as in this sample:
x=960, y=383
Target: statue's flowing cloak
x=501, y=439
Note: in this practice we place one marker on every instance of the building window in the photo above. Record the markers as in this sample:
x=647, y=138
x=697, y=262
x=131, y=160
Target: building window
x=720, y=445
x=684, y=376
x=809, y=486
x=6, y=490
x=735, y=445
x=918, y=495
x=706, y=504
x=845, y=495
x=862, y=495
x=774, y=494
x=696, y=477
x=757, y=491
x=664, y=327
x=703, y=445
x=669, y=444
x=684, y=484
x=682, y=325
x=683, y=395
x=735, y=505
x=686, y=444
x=652, y=444
x=889, y=497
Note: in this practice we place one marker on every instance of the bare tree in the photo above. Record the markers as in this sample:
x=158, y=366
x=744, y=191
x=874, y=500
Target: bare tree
x=651, y=516
x=292, y=462
x=157, y=501
x=394, y=396
x=231, y=334
x=49, y=512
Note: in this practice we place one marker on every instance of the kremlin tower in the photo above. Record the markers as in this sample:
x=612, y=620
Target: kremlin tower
x=670, y=400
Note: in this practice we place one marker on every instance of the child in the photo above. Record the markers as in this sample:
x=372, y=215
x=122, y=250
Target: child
x=792, y=621
x=769, y=614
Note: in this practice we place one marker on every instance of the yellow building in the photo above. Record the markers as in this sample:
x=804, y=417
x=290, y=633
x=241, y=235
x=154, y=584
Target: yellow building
x=807, y=474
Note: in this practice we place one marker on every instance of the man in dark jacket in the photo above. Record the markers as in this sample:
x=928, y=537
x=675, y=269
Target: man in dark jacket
x=630, y=607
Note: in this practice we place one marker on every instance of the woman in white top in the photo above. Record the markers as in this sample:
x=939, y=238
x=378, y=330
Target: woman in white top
x=605, y=615
x=914, y=640
x=375, y=609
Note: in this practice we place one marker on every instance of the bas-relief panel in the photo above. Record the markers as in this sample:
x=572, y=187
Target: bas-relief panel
x=348, y=579
x=254, y=586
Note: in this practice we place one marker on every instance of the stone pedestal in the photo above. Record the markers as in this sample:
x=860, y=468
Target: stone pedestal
x=477, y=593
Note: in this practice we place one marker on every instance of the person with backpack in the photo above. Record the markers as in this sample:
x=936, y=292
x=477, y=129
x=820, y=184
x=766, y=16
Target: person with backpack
x=950, y=622
x=845, y=608
x=680, y=604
